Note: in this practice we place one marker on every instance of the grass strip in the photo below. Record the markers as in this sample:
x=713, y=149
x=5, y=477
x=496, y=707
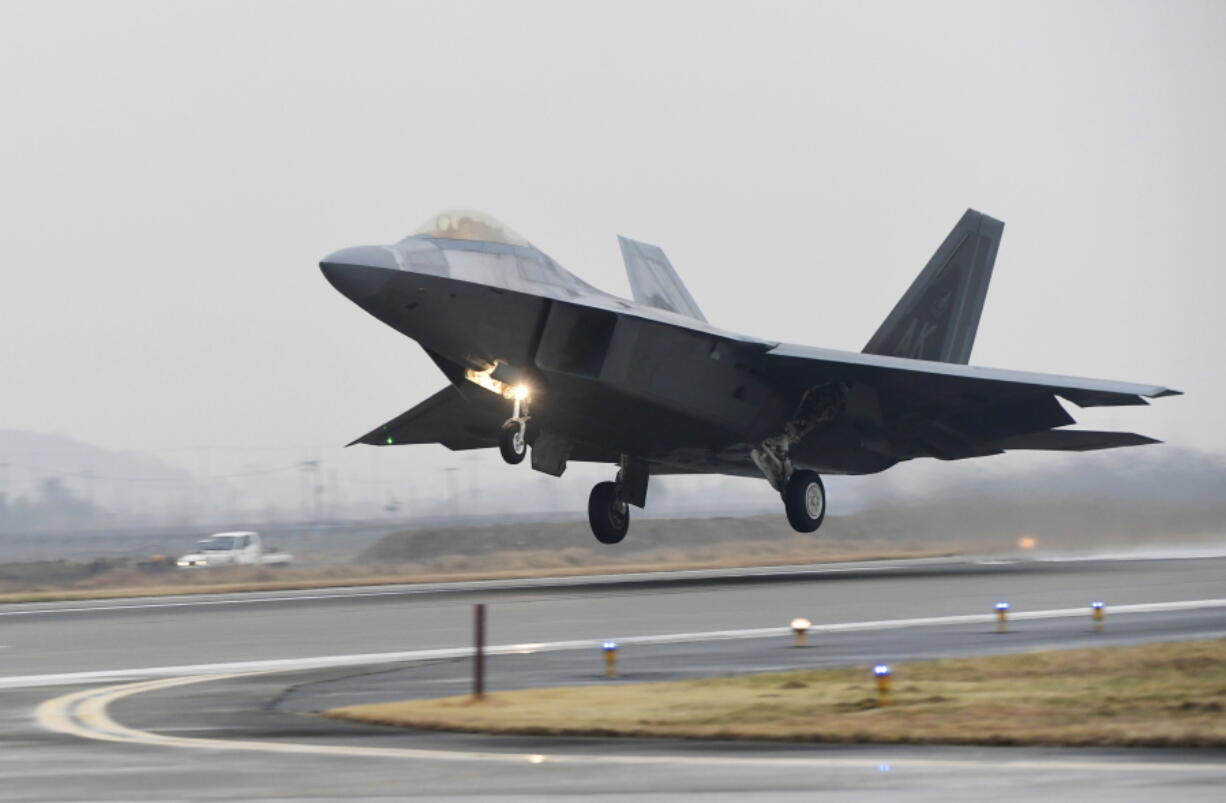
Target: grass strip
x=227, y=580
x=1154, y=695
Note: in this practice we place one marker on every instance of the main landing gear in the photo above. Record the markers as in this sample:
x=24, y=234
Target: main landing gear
x=804, y=496
x=804, y=499
x=608, y=507
x=608, y=514
x=512, y=439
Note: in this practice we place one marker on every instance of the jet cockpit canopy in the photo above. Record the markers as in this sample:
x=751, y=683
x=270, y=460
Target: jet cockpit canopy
x=469, y=224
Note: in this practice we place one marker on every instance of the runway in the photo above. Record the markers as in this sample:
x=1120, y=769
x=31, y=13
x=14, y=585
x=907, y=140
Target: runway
x=859, y=609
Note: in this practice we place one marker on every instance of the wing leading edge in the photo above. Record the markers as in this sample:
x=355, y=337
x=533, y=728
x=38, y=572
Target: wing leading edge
x=446, y=418
x=462, y=422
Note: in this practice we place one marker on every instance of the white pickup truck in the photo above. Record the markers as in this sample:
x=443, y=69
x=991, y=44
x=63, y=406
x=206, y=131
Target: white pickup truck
x=233, y=549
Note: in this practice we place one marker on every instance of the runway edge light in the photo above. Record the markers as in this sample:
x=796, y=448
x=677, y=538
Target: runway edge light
x=882, y=673
x=800, y=628
x=1098, y=614
x=1002, y=617
x=610, y=650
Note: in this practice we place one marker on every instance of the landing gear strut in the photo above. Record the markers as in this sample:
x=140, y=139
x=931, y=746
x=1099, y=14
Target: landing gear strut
x=512, y=439
x=804, y=496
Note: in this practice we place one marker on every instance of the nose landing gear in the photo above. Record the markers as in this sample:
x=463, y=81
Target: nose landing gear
x=512, y=439
x=511, y=442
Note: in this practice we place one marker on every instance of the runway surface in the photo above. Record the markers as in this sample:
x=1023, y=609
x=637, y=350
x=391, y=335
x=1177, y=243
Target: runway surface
x=183, y=747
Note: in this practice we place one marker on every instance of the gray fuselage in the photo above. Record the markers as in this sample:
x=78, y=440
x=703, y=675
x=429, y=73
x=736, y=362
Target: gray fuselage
x=610, y=375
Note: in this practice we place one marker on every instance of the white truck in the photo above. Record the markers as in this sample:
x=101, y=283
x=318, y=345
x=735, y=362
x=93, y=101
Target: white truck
x=233, y=549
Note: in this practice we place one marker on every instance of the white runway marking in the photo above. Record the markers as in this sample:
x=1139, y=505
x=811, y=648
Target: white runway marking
x=321, y=662
x=85, y=714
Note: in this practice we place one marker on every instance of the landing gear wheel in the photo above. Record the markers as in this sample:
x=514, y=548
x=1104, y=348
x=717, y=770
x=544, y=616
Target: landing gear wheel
x=804, y=498
x=607, y=513
x=511, y=442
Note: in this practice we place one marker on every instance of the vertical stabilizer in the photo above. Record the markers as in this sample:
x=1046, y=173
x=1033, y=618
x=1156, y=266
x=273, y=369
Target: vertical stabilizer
x=653, y=280
x=938, y=316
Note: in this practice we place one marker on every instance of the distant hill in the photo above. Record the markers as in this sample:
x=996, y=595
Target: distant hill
x=55, y=482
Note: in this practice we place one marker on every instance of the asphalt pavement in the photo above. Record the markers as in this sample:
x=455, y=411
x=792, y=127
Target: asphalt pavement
x=212, y=734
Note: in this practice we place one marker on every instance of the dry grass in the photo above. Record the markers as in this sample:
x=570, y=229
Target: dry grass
x=1151, y=695
x=577, y=562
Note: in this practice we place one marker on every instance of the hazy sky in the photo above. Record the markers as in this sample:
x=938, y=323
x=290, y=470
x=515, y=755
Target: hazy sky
x=171, y=174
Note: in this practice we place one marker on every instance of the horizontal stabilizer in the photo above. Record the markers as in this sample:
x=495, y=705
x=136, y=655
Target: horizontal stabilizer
x=1061, y=440
x=653, y=280
x=446, y=418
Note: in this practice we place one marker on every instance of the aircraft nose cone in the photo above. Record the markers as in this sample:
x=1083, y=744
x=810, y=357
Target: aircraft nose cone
x=359, y=273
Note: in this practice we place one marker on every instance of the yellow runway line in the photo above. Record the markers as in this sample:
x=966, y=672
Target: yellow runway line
x=85, y=714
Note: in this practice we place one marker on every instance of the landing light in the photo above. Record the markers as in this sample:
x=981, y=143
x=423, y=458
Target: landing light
x=485, y=378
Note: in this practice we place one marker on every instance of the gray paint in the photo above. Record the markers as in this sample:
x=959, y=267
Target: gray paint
x=613, y=377
x=938, y=317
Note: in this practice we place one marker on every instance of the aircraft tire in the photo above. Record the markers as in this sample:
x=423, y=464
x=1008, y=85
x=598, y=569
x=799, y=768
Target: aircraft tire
x=607, y=513
x=805, y=501
x=511, y=443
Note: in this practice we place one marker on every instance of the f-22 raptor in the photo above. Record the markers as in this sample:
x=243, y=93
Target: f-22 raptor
x=536, y=357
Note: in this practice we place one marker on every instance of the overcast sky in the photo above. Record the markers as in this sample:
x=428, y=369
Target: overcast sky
x=171, y=174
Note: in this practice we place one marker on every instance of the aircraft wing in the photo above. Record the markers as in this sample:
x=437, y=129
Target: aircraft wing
x=952, y=411
x=924, y=378
x=1073, y=440
x=461, y=423
x=447, y=418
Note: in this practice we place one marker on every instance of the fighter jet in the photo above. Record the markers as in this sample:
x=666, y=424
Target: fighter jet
x=538, y=359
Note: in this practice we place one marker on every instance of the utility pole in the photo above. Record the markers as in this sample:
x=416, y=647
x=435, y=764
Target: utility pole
x=309, y=472
x=452, y=497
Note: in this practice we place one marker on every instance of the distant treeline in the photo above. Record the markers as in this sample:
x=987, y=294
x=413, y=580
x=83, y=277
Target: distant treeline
x=52, y=507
